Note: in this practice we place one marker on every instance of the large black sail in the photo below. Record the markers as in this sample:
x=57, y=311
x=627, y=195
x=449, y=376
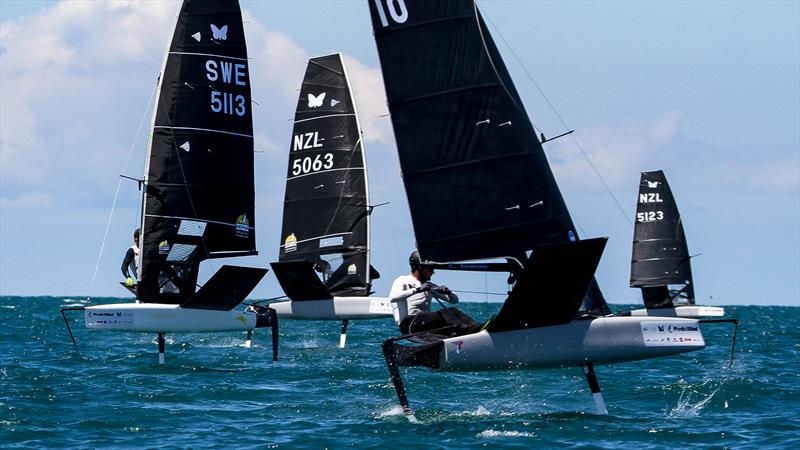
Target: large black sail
x=199, y=195
x=660, y=254
x=477, y=180
x=326, y=211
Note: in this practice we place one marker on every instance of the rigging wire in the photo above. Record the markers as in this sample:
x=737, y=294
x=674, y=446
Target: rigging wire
x=563, y=122
x=119, y=185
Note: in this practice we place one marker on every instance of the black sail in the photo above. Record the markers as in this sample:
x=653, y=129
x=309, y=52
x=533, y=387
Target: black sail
x=326, y=210
x=477, y=180
x=199, y=196
x=660, y=254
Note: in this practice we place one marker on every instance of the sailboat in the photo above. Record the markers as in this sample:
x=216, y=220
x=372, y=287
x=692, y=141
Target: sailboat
x=324, y=258
x=479, y=188
x=198, y=197
x=660, y=261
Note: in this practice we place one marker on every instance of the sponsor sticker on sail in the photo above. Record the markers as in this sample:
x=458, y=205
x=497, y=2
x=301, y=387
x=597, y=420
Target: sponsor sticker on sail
x=290, y=243
x=242, y=226
x=671, y=334
x=163, y=248
x=352, y=269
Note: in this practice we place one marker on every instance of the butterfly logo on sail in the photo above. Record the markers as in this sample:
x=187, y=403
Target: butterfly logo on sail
x=219, y=34
x=315, y=101
x=652, y=184
x=290, y=244
x=242, y=226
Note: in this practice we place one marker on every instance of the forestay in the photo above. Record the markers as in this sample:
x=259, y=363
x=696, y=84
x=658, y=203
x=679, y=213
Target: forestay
x=326, y=210
x=199, y=194
x=660, y=255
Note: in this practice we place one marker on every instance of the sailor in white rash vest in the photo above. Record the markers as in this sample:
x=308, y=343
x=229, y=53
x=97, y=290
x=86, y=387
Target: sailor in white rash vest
x=412, y=294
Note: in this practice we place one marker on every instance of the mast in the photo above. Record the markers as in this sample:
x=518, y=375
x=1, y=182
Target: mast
x=199, y=198
x=326, y=206
x=660, y=256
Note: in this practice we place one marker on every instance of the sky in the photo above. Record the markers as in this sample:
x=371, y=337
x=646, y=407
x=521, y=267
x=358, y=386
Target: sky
x=707, y=91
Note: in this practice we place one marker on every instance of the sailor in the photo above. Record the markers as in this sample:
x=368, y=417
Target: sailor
x=412, y=294
x=129, y=262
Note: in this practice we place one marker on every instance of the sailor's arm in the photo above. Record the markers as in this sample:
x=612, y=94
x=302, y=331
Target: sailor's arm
x=401, y=291
x=443, y=293
x=129, y=255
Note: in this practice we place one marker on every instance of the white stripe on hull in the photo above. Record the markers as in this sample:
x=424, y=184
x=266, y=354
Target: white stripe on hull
x=339, y=308
x=160, y=318
x=598, y=341
x=691, y=312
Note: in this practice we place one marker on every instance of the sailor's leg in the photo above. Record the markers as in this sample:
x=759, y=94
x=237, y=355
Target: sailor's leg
x=249, y=341
x=343, y=336
x=161, y=348
x=588, y=370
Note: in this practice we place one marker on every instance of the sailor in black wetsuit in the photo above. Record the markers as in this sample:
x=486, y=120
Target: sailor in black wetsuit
x=129, y=262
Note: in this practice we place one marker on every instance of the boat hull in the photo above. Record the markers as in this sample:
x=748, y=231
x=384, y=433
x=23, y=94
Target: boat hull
x=601, y=340
x=338, y=308
x=681, y=311
x=162, y=318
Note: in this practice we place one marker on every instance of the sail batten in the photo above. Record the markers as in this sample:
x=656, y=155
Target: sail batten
x=326, y=196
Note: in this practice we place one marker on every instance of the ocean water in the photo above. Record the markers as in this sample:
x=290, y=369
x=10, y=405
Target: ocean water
x=212, y=392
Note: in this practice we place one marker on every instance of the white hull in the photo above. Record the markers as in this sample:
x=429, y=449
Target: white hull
x=338, y=308
x=160, y=318
x=598, y=341
x=691, y=312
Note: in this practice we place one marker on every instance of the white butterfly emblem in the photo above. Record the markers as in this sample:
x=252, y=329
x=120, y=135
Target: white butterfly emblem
x=220, y=34
x=314, y=102
x=652, y=184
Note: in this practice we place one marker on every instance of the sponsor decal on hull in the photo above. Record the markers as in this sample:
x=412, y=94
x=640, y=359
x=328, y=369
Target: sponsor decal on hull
x=109, y=318
x=668, y=334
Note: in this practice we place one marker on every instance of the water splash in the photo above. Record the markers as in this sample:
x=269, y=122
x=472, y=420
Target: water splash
x=685, y=408
x=495, y=433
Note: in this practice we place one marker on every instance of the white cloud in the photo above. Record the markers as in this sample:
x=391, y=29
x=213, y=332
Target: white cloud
x=370, y=96
x=781, y=176
x=615, y=150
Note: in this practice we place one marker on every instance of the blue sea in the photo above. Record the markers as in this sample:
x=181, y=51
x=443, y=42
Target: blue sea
x=215, y=393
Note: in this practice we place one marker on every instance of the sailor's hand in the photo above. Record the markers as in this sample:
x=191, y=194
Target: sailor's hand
x=426, y=287
x=443, y=290
x=129, y=282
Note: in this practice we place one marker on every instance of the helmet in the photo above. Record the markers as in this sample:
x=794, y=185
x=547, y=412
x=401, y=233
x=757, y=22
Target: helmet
x=414, y=261
x=136, y=234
